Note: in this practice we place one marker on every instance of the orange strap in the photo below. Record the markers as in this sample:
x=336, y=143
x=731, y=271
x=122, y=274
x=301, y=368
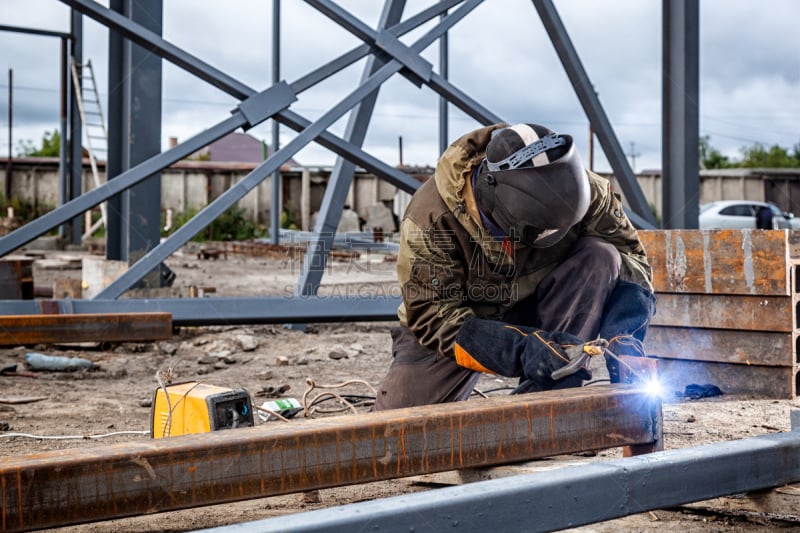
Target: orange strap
x=463, y=358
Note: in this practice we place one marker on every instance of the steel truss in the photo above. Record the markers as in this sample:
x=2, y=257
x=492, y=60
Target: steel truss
x=387, y=56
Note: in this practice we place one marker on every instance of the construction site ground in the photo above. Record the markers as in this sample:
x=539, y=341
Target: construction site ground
x=270, y=360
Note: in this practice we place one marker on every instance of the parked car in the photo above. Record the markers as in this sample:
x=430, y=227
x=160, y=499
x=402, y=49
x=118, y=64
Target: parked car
x=739, y=214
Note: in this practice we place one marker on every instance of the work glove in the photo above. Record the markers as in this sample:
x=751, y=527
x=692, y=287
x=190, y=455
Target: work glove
x=625, y=319
x=541, y=358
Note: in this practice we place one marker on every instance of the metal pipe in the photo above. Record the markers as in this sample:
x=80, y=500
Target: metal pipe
x=72, y=486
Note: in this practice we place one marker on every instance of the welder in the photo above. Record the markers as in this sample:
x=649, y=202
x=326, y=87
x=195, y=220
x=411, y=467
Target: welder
x=516, y=261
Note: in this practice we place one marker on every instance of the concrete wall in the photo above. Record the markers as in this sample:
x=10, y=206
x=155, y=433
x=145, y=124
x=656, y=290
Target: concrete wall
x=193, y=184
x=781, y=186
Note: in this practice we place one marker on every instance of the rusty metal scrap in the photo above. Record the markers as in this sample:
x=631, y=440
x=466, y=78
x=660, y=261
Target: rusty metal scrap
x=74, y=486
x=720, y=261
x=116, y=327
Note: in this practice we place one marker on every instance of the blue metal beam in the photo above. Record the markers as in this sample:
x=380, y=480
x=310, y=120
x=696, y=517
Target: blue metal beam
x=565, y=498
x=209, y=311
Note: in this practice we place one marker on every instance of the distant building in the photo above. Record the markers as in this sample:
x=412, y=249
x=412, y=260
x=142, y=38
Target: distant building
x=237, y=148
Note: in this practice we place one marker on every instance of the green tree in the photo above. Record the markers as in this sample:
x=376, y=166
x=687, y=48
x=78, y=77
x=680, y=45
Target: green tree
x=710, y=157
x=51, y=144
x=774, y=157
x=755, y=156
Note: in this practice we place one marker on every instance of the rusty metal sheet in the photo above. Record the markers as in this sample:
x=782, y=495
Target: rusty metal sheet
x=724, y=311
x=48, y=328
x=777, y=382
x=720, y=345
x=751, y=262
x=75, y=486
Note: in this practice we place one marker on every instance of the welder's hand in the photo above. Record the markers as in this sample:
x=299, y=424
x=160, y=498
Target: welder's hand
x=625, y=320
x=518, y=351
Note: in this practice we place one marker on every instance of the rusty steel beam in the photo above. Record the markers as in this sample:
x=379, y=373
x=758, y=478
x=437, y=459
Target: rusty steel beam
x=17, y=330
x=74, y=486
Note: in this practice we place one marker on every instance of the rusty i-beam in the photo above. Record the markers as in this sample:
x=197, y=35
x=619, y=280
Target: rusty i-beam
x=75, y=486
x=17, y=330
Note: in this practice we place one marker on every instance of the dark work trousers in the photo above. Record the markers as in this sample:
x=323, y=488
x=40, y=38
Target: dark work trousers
x=570, y=299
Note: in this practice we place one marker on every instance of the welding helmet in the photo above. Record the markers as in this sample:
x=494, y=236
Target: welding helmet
x=532, y=184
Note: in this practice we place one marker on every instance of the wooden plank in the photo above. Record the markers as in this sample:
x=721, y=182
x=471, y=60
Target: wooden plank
x=720, y=345
x=73, y=486
x=730, y=311
x=758, y=381
x=719, y=261
x=18, y=330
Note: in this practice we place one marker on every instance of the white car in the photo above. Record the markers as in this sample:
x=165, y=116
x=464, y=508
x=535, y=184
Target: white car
x=740, y=214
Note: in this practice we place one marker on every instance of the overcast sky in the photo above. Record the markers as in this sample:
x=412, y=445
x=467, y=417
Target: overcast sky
x=499, y=55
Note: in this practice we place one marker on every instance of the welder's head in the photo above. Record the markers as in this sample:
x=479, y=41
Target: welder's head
x=532, y=184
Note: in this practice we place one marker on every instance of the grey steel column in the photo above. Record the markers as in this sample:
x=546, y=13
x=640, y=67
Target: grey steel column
x=62, y=147
x=275, y=203
x=680, y=178
x=75, y=182
x=342, y=176
x=141, y=205
x=116, y=138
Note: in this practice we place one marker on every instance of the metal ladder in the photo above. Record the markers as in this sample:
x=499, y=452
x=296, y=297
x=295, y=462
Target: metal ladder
x=94, y=131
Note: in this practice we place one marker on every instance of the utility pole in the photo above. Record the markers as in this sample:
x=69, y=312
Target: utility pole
x=9, y=164
x=633, y=155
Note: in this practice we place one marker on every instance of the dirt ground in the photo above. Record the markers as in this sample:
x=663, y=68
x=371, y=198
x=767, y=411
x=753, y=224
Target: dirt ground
x=267, y=359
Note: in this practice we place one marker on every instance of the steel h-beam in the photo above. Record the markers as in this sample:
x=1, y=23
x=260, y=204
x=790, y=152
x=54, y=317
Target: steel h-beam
x=73, y=186
x=680, y=180
x=141, y=140
x=74, y=486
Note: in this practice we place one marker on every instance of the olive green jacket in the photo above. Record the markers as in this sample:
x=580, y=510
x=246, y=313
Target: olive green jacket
x=449, y=267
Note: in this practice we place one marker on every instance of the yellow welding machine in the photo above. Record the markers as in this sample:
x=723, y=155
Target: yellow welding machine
x=193, y=407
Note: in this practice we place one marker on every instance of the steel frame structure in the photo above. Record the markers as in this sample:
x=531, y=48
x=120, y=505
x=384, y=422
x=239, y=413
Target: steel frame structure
x=387, y=56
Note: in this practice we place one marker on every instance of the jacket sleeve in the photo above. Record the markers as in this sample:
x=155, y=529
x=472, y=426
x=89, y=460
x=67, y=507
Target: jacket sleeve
x=607, y=219
x=430, y=270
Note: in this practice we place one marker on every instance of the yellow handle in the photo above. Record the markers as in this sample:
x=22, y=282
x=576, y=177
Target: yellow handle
x=592, y=350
